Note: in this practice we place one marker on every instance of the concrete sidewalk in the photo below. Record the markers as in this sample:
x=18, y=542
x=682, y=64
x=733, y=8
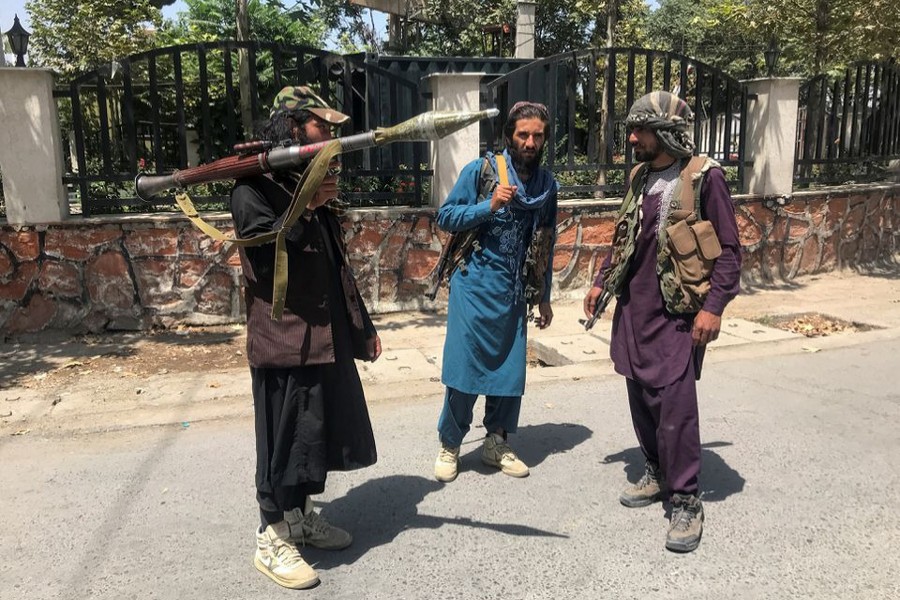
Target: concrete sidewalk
x=413, y=342
x=410, y=366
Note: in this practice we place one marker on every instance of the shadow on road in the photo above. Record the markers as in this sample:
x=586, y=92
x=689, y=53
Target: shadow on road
x=532, y=443
x=717, y=480
x=381, y=509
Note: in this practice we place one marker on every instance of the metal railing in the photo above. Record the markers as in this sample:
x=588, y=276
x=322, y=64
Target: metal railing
x=589, y=93
x=848, y=126
x=175, y=107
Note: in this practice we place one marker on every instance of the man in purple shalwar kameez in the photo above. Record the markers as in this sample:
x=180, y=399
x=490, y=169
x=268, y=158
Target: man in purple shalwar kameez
x=660, y=352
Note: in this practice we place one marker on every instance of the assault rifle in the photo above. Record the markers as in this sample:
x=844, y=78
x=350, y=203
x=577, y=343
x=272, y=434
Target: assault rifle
x=599, y=307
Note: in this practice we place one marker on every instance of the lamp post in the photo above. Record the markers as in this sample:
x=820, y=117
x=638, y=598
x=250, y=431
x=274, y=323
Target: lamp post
x=771, y=56
x=18, y=41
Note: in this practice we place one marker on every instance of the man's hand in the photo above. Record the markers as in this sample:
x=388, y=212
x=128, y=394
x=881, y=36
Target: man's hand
x=706, y=328
x=328, y=189
x=546, y=315
x=373, y=345
x=502, y=195
x=590, y=301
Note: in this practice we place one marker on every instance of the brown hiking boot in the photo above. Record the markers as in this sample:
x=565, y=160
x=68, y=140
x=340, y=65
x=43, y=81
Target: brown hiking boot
x=686, y=526
x=646, y=491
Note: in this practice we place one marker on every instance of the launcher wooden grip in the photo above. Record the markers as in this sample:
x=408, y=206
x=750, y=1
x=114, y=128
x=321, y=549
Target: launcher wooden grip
x=231, y=167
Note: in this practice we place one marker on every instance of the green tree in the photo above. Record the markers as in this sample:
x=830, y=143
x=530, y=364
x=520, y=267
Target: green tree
x=816, y=36
x=455, y=27
x=214, y=20
x=73, y=36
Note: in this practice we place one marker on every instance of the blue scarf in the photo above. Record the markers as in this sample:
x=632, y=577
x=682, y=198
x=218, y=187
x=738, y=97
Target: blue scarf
x=541, y=184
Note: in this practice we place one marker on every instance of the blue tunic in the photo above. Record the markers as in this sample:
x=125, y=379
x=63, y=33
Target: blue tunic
x=484, y=351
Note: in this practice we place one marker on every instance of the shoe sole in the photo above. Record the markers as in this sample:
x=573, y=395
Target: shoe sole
x=321, y=546
x=683, y=547
x=641, y=502
x=293, y=585
x=496, y=464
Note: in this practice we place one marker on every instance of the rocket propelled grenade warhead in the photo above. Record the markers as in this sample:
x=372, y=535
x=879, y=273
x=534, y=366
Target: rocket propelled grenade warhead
x=426, y=127
x=431, y=126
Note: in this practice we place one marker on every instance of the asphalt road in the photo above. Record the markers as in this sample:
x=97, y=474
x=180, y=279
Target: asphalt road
x=801, y=481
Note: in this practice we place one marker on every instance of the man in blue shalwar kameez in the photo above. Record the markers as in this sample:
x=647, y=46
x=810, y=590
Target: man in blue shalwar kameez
x=484, y=352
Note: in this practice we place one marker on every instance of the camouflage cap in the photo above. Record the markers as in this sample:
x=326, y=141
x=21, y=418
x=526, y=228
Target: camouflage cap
x=292, y=98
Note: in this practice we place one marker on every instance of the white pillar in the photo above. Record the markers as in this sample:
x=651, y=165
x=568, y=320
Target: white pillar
x=453, y=91
x=525, y=29
x=31, y=153
x=772, y=136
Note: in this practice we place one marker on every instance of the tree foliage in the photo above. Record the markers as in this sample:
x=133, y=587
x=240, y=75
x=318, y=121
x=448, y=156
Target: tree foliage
x=815, y=36
x=213, y=20
x=457, y=27
x=71, y=36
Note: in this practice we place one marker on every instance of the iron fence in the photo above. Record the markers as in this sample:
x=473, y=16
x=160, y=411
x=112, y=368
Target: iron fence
x=180, y=106
x=848, y=126
x=589, y=93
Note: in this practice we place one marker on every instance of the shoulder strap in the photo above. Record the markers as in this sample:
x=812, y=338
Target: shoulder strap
x=634, y=183
x=502, y=172
x=692, y=176
x=634, y=172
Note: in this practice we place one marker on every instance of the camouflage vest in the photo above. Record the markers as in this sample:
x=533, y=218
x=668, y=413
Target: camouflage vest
x=687, y=246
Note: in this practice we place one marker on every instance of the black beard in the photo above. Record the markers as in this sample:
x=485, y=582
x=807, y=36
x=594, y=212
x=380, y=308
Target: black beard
x=524, y=167
x=646, y=155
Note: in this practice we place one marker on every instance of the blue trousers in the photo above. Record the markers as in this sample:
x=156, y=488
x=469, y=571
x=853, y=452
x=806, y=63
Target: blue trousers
x=500, y=412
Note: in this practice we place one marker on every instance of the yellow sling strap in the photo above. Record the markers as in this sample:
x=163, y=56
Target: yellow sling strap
x=502, y=172
x=307, y=186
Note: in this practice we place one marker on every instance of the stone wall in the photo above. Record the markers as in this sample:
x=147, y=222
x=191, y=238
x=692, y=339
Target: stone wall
x=158, y=271
x=109, y=274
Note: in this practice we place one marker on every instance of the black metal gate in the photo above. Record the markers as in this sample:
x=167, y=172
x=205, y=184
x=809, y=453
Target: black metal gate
x=587, y=146
x=175, y=107
x=848, y=126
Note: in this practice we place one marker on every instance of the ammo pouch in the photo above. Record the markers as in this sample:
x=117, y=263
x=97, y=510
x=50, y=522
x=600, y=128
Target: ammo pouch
x=693, y=250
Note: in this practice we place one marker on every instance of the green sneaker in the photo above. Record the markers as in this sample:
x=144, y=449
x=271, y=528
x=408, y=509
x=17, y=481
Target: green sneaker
x=308, y=528
x=497, y=453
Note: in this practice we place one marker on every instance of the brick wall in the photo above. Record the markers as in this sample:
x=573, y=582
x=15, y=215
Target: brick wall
x=139, y=272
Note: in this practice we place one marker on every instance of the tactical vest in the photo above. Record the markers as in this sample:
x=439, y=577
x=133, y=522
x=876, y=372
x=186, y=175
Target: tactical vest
x=687, y=245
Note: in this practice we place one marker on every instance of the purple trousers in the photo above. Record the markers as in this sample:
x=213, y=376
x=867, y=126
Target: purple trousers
x=667, y=423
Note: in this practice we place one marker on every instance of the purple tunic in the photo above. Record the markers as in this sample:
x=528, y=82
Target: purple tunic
x=649, y=344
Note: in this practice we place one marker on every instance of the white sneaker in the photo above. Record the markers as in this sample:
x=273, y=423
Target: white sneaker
x=278, y=558
x=497, y=453
x=446, y=467
x=308, y=528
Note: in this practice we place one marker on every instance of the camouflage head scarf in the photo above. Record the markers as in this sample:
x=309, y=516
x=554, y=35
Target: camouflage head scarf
x=294, y=98
x=669, y=117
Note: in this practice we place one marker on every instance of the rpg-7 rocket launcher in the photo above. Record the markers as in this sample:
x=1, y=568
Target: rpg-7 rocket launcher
x=255, y=158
